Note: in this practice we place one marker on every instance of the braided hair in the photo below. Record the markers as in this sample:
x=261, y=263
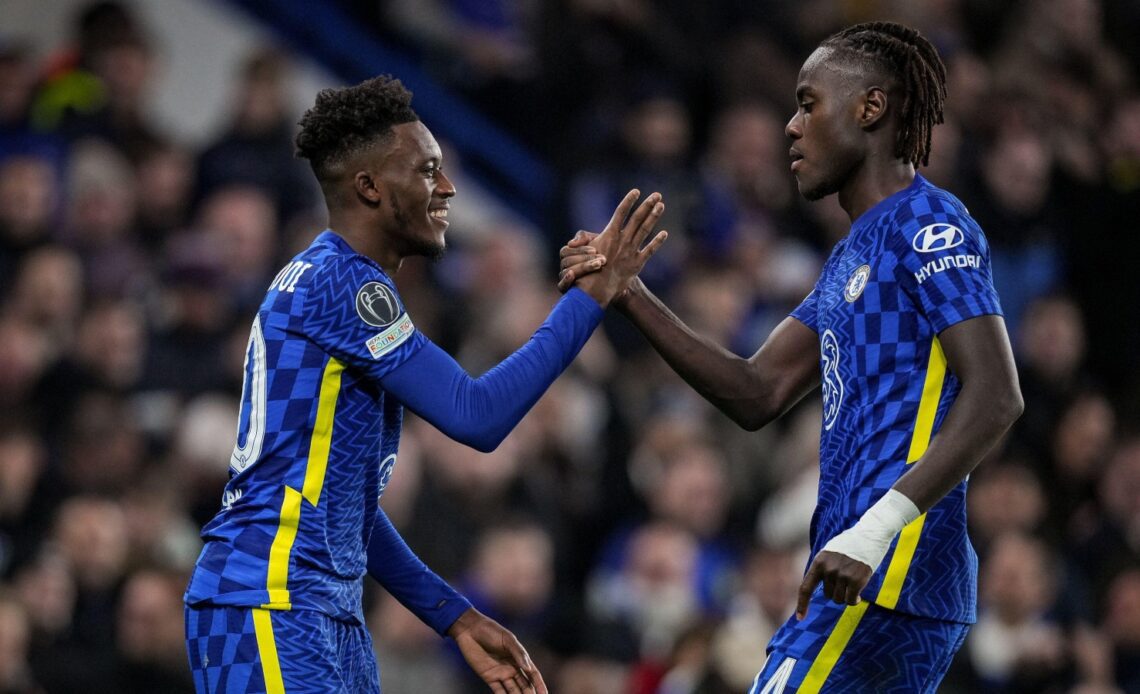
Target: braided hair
x=906, y=56
x=346, y=121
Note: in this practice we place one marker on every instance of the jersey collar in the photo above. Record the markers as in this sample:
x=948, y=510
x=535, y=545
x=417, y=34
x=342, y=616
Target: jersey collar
x=329, y=237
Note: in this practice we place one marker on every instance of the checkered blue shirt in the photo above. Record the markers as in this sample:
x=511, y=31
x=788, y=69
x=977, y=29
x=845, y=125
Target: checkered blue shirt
x=317, y=438
x=912, y=266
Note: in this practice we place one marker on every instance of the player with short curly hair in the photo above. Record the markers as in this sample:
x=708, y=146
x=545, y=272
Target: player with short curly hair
x=904, y=335
x=345, y=121
x=274, y=603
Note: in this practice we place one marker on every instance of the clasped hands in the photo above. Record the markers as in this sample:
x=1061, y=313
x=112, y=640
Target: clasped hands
x=603, y=265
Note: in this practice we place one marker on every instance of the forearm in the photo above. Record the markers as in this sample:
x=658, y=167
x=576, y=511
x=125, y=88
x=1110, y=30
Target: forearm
x=977, y=351
x=980, y=416
x=393, y=565
x=480, y=412
x=750, y=391
x=977, y=420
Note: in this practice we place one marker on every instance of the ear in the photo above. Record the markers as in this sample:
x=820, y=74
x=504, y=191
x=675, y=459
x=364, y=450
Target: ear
x=368, y=187
x=873, y=108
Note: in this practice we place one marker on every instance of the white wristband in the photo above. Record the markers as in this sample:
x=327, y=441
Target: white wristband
x=869, y=539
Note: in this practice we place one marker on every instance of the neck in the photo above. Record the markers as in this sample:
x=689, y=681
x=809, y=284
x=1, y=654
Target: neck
x=874, y=182
x=361, y=234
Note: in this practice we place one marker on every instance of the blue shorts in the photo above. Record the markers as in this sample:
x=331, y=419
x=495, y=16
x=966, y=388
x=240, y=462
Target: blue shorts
x=859, y=648
x=241, y=649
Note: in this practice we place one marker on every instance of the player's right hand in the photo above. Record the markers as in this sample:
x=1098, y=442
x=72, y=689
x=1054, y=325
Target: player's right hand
x=623, y=244
x=495, y=655
x=843, y=580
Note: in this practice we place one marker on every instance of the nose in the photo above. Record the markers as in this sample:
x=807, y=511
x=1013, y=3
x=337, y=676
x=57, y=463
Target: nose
x=793, y=129
x=443, y=185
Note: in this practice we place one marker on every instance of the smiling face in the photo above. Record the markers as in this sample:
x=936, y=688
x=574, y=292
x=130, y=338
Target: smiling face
x=827, y=140
x=414, y=191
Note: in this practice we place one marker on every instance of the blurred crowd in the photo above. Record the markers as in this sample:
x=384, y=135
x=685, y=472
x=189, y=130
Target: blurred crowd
x=633, y=538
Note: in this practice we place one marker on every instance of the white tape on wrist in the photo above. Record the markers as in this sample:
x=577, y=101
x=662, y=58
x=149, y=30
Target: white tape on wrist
x=869, y=539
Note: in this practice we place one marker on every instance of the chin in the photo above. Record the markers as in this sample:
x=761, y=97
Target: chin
x=434, y=251
x=430, y=247
x=818, y=191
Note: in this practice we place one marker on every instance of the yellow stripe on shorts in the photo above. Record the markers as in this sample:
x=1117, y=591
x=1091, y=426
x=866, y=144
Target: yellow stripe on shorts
x=832, y=648
x=267, y=651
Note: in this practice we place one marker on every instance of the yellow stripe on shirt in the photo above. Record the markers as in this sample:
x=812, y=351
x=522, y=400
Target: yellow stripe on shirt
x=907, y=543
x=321, y=442
x=277, y=579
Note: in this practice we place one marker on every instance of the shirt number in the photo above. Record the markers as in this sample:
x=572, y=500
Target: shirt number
x=251, y=419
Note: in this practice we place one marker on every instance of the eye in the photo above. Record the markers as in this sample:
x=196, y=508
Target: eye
x=805, y=106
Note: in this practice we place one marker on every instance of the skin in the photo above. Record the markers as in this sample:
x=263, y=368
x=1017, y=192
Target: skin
x=382, y=199
x=843, y=134
x=390, y=202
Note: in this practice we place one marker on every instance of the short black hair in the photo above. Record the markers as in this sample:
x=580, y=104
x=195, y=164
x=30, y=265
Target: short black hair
x=347, y=120
x=906, y=56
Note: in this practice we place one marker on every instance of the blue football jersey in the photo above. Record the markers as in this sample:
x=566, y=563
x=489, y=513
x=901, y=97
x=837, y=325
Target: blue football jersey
x=317, y=438
x=913, y=265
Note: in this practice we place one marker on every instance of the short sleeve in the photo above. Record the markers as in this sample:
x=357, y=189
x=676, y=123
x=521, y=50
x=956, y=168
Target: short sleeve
x=808, y=310
x=944, y=265
x=353, y=312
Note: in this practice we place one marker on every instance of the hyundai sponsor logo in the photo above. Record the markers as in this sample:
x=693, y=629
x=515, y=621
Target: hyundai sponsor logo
x=937, y=237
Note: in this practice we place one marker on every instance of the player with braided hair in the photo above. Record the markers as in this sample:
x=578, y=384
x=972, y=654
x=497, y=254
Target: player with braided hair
x=893, y=49
x=904, y=334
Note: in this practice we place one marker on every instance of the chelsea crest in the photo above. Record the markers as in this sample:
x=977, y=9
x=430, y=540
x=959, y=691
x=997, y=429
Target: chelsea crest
x=857, y=283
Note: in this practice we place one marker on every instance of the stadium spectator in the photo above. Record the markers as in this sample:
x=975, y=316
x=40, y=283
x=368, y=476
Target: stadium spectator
x=1016, y=644
x=16, y=675
x=257, y=147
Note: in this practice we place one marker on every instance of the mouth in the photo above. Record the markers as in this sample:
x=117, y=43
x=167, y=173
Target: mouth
x=797, y=157
x=439, y=215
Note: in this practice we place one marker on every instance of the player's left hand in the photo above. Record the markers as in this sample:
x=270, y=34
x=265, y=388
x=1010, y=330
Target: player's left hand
x=578, y=258
x=495, y=655
x=843, y=579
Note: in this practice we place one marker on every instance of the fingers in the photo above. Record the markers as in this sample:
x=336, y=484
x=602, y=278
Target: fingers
x=535, y=678
x=497, y=688
x=582, y=238
x=653, y=245
x=528, y=676
x=650, y=220
x=532, y=676
x=571, y=250
x=623, y=209
x=807, y=587
x=570, y=274
x=843, y=579
x=650, y=209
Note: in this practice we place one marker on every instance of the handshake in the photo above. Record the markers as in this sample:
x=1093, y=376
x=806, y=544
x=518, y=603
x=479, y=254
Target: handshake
x=605, y=264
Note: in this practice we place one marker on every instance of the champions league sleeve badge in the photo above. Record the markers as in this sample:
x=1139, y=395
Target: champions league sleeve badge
x=377, y=305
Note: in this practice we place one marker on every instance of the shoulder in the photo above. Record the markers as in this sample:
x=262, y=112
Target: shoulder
x=352, y=281
x=327, y=279
x=930, y=220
